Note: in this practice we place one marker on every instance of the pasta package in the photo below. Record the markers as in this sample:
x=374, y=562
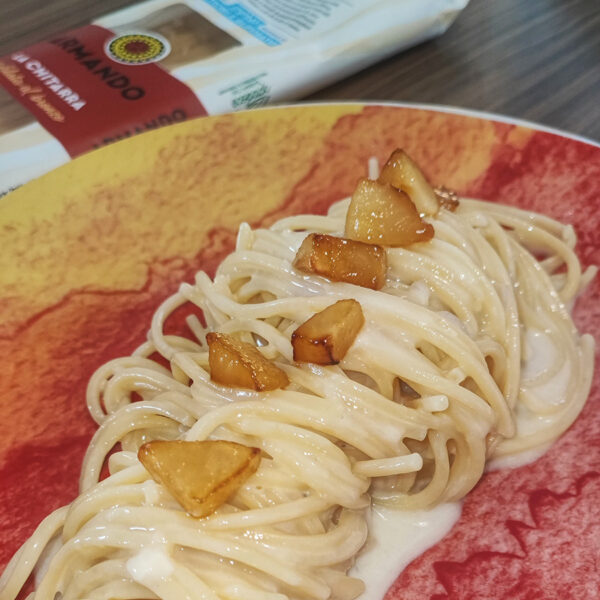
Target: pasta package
x=165, y=61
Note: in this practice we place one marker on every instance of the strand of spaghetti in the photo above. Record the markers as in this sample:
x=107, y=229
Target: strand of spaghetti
x=102, y=376
x=21, y=564
x=106, y=579
x=104, y=440
x=389, y=466
x=536, y=237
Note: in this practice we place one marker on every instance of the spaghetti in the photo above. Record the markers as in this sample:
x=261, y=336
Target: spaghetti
x=447, y=371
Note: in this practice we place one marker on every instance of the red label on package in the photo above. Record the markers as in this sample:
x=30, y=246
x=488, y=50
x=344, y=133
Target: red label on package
x=90, y=87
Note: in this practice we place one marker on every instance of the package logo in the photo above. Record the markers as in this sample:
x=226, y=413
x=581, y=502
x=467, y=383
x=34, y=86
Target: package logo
x=137, y=48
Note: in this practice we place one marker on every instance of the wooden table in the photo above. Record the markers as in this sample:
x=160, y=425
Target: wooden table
x=532, y=59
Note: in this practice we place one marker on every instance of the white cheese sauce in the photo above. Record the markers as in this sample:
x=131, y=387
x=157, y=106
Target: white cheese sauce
x=150, y=565
x=396, y=538
x=540, y=356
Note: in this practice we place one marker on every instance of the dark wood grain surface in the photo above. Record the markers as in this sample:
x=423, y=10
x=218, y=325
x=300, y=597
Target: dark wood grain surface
x=532, y=59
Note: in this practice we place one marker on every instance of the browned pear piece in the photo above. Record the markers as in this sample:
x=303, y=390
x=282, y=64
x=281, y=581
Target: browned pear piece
x=239, y=364
x=379, y=213
x=201, y=476
x=341, y=259
x=401, y=172
x=327, y=336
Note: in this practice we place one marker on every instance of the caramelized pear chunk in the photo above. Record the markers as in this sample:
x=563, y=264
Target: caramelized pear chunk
x=326, y=337
x=238, y=364
x=340, y=259
x=401, y=172
x=448, y=199
x=201, y=476
x=380, y=213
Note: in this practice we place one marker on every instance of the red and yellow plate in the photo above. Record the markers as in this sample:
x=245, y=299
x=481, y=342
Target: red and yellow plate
x=89, y=251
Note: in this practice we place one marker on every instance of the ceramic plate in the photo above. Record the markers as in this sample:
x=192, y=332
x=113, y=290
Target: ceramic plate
x=89, y=251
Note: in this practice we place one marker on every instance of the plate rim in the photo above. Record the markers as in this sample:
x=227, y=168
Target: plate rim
x=432, y=107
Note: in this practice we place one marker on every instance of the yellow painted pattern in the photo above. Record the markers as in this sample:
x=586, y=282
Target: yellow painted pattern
x=154, y=196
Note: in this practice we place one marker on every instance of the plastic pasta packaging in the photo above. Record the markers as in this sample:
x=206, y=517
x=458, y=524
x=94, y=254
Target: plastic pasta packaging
x=163, y=61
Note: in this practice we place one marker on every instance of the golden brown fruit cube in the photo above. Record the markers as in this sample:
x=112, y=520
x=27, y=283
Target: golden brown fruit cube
x=380, y=213
x=326, y=337
x=201, y=476
x=401, y=172
x=340, y=259
x=238, y=364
